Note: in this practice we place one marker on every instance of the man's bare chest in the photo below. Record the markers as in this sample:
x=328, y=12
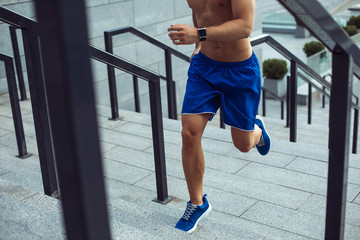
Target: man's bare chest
x=209, y=5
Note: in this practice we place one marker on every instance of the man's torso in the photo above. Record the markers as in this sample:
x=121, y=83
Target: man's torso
x=213, y=13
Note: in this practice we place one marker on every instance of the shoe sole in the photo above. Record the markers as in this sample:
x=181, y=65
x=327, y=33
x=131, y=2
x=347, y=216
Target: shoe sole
x=204, y=215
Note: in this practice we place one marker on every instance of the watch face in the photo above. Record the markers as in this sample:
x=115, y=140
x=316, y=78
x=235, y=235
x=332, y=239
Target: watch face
x=202, y=34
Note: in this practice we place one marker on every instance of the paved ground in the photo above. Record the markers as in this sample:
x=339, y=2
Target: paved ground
x=280, y=196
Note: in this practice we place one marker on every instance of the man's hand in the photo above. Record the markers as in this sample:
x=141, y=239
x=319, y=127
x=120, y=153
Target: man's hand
x=181, y=34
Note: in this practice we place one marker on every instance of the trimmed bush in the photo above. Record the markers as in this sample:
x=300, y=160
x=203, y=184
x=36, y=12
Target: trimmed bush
x=274, y=68
x=351, y=30
x=354, y=20
x=312, y=47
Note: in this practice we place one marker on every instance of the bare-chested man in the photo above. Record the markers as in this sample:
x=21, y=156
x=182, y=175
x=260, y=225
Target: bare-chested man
x=224, y=71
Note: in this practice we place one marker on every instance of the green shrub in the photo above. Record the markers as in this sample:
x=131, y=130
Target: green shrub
x=274, y=68
x=354, y=20
x=312, y=47
x=351, y=30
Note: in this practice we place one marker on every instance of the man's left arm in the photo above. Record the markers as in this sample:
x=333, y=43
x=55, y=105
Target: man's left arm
x=240, y=27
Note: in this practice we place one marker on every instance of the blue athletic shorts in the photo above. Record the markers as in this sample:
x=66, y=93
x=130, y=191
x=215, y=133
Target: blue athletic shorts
x=235, y=86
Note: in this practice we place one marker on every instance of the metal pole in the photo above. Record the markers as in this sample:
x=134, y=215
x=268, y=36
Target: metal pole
x=355, y=127
x=112, y=80
x=18, y=66
x=264, y=102
x=71, y=100
x=222, y=124
x=15, y=108
x=293, y=101
x=136, y=93
x=158, y=142
x=287, y=101
x=309, y=103
x=282, y=109
x=339, y=133
x=40, y=112
x=170, y=84
x=323, y=98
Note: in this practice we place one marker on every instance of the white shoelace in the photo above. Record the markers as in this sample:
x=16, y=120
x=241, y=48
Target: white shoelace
x=189, y=211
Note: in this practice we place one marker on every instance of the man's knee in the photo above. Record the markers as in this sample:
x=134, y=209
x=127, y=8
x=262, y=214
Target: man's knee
x=244, y=146
x=190, y=137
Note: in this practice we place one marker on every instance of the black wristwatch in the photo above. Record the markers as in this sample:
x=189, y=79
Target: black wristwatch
x=202, y=34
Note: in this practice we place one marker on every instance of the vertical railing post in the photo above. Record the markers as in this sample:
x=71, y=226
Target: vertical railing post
x=136, y=93
x=264, y=102
x=288, y=101
x=158, y=142
x=112, y=80
x=309, y=103
x=71, y=101
x=222, y=124
x=40, y=111
x=170, y=84
x=15, y=108
x=293, y=101
x=355, y=126
x=339, y=133
x=282, y=110
x=19, y=72
x=323, y=97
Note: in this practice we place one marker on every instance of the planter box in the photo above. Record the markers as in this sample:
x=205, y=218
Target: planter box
x=275, y=86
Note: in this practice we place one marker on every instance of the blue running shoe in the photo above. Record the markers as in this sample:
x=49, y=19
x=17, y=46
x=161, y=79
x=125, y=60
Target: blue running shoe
x=192, y=215
x=263, y=146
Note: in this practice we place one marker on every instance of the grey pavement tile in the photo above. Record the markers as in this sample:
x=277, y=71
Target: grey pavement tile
x=252, y=188
x=106, y=147
x=212, y=160
x=354, y=160
x=354, y=175
x=357, y=199
x=249, y=226
x=104, y=122
x=287, y=178
x=144, y=160
x=272, y=158
x=10, y=141
x=43, y=202
x=15, y=192
x=32, y=222
x=125, y=140
x=146, y=132
x=123, y=172
x=353, y=191
x=309, y=166
x=351, y=232
x=227, y=202
x=26, y=179
x=176, y=187
x=300, y=149
x=287, y=219
x=4, y=132
x=317, y=205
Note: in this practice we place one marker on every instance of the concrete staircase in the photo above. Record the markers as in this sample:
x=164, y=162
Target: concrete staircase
x=280, y=196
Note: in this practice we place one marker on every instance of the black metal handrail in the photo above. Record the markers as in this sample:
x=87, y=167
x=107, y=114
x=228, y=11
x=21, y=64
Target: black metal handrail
x=345, y=63
x=153, y=80
x=15, y=106
x=295, y=62
x=170, y=84
x=30, y=34
x=37, y=88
